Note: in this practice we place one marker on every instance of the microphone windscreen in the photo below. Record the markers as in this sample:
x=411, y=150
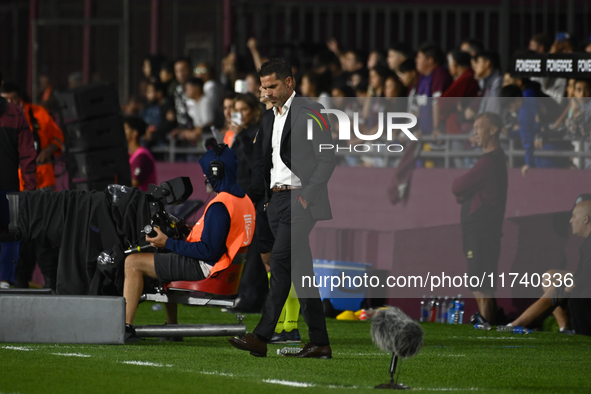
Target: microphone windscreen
x=394, y=332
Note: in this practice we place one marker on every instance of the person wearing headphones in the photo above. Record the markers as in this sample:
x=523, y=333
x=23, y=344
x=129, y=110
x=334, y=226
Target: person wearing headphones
x=224, y=230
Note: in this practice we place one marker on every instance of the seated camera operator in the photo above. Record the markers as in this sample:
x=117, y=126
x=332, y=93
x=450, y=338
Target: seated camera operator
x=226, y=226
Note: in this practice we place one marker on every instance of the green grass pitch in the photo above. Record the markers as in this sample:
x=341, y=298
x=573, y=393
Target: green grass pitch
x=454, y=358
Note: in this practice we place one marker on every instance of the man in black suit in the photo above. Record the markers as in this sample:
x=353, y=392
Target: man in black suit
x=294, y=171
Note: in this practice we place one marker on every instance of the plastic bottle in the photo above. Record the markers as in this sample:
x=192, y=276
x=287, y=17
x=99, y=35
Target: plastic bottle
x=451, y=311
x=459, y=312
x=444, y=310
x=432, y=310
x=424, y=310
x=289, y=350
x=483, y=326
x=513, y=330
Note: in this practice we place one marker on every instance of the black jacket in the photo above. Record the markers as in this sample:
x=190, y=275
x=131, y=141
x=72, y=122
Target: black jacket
x=302, y=156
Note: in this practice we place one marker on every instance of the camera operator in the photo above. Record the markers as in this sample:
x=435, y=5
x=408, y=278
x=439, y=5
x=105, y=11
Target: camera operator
x=226, y=226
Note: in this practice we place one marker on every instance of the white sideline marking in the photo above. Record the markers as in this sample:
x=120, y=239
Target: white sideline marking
x=24, y=349
x=146, y=363
x=447, y=389
x=360, y=354
x=288, y=383
x=217, y=373
x=72, y=354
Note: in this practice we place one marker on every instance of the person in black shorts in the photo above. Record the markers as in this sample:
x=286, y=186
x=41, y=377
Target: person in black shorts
x=482, y=191
x=224, y=230
x=568, y=300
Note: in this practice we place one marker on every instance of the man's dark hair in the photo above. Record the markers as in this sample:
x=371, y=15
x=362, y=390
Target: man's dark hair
x=11, y=87
x=346, y=89
x=511, y=91
x=1, y=77
x=158, y=86
x=278, y=66
x=493, y=57
x=183, y=59
x=407, y=66
x=195, y=82
x=474, y=44
x=136, y=123
x=434, y=52
x=462, y=58
x=401, y=47
x=494, y=120
x=230, y=95
x=543, y=40
x=168, y=66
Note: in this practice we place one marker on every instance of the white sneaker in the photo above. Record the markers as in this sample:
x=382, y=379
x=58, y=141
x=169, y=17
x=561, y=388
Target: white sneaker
x=4, y=285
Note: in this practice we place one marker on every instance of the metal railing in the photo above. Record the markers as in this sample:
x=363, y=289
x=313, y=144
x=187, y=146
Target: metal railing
x=172, y=151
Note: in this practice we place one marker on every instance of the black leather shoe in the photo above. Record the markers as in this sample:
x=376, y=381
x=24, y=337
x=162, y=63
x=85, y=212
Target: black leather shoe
x=251, y=343
x=312, y=351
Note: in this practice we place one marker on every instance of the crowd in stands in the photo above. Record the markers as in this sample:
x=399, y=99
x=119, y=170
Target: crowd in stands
x=189, y=103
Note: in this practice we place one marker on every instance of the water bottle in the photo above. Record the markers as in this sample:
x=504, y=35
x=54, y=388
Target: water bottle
x=289, y=350
x=424, y=309
x=483, y=326
x=444, y=310
x=451, y=311
x=513, y=330
x=459, y=311
x=432, y=310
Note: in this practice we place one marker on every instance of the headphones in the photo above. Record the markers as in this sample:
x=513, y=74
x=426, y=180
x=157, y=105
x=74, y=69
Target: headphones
x=216, y=167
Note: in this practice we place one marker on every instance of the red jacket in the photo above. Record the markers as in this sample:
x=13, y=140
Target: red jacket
x=464, y=86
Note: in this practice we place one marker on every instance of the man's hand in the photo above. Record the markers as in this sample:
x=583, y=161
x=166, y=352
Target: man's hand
x=158, y=241
x=251, y=44
x=45, y=155
x=524, y=170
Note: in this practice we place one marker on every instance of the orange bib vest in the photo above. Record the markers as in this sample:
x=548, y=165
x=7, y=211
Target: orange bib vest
x=242, y=221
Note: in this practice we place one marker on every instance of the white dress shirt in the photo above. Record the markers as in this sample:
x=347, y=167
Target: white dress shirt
x=280, y=174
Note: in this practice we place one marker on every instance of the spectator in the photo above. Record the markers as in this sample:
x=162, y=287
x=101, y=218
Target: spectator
x=45, y=95
x=74, y=80
x=352, y=62
x=227, y=134
x=167, y=78
x=141, y=161
x=451, y=109
x=553, y=87
x=253, y=83
x=158, y=114
x=182, y=72
x=408, y=75
x=397, y=54
x=472, y=46
x=200, y=108
x=211, y=88
x=315, y=86
x=434, y=79
x=375, y=58
x=487, y=73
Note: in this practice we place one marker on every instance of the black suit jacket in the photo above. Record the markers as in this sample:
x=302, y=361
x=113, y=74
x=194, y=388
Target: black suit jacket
x=302, y=156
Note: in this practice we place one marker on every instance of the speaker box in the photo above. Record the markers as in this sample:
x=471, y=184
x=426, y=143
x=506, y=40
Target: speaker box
x=88, y=101
x=104, y=164
x=98, y=133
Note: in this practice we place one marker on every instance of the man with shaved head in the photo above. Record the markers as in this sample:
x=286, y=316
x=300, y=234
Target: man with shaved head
x=569, y=302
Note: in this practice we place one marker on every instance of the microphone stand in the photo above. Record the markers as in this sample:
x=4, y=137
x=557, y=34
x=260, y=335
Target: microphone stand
x=391, y=385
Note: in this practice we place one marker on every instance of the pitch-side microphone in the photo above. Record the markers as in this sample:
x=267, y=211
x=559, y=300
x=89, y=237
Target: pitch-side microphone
x=394, y=332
